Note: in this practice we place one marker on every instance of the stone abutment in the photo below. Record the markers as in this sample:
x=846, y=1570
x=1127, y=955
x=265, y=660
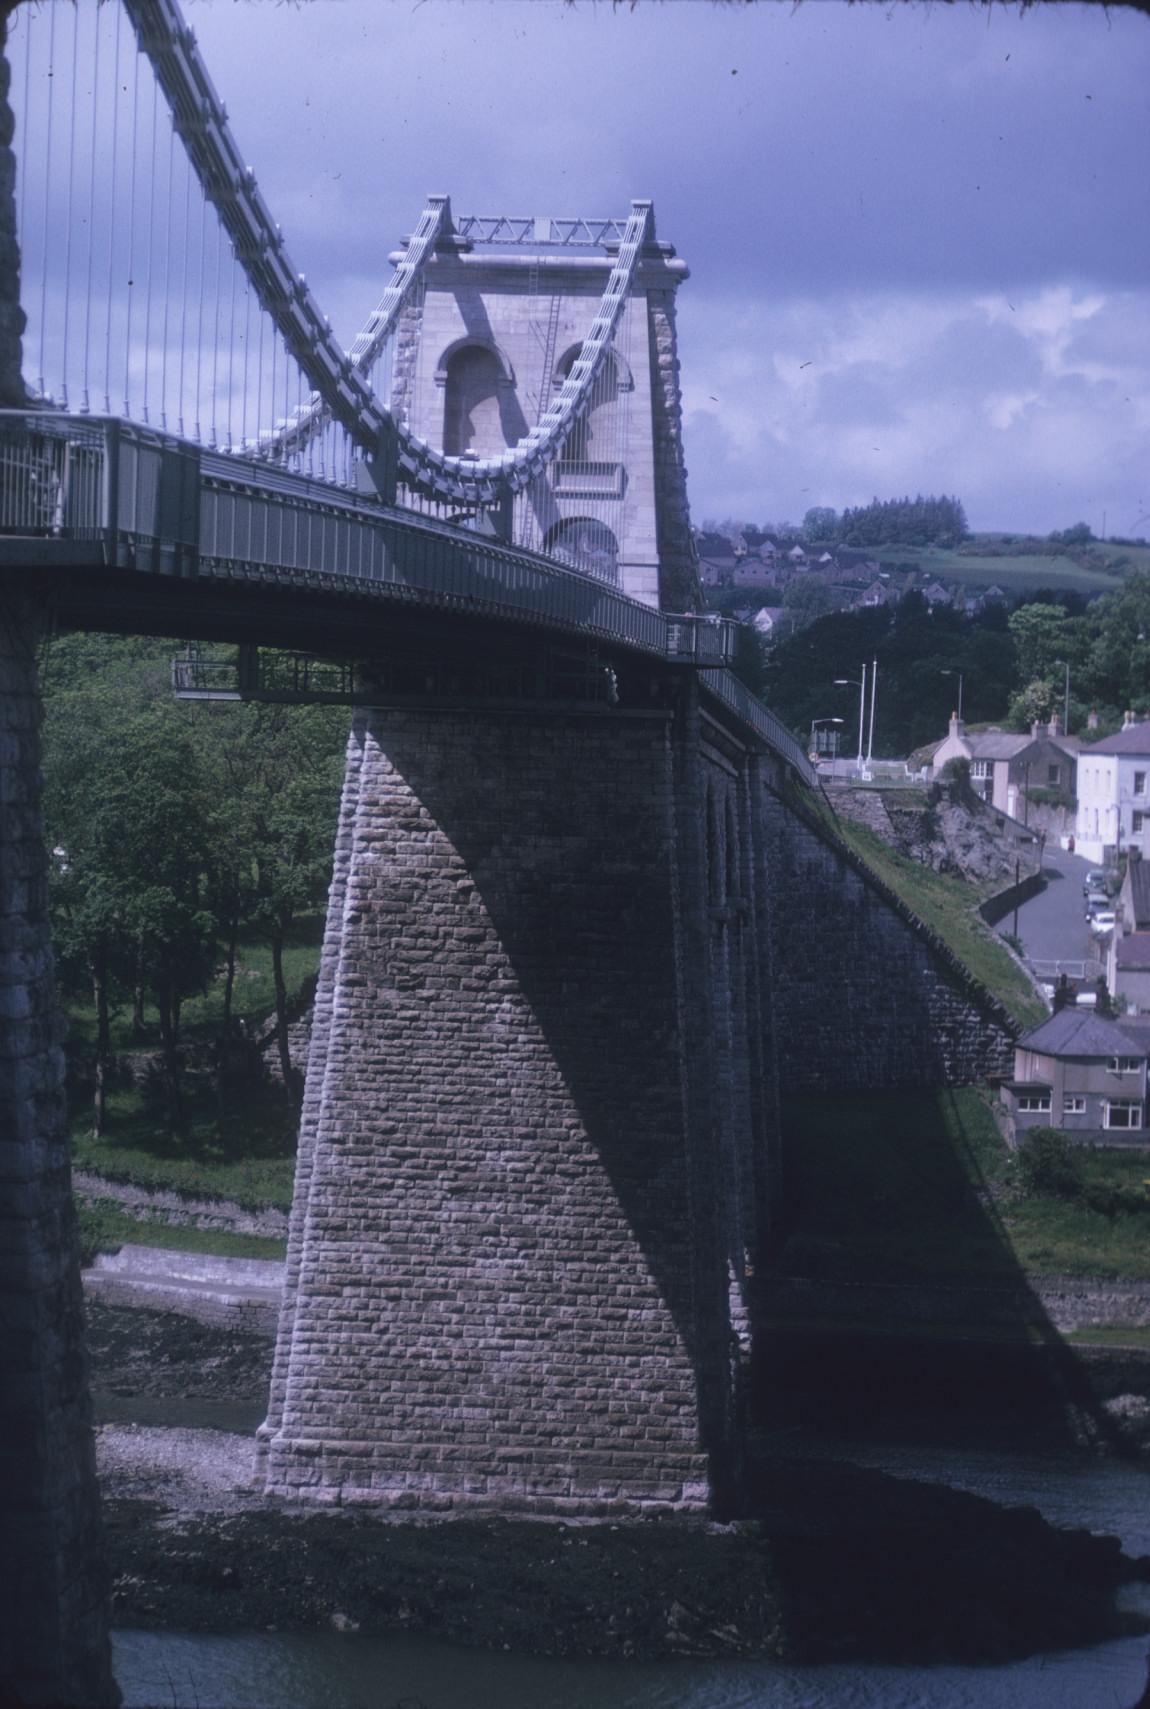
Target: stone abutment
x=53, y=1631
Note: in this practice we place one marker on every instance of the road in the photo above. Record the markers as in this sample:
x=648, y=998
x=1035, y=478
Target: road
x=1052, y=925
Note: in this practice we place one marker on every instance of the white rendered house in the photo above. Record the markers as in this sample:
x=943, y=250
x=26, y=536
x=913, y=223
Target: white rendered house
x=1114, y=793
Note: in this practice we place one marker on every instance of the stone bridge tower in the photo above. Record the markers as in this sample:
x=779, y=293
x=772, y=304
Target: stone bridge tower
x=486, y=350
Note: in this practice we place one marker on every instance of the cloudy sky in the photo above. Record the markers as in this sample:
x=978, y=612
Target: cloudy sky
x=919, y=235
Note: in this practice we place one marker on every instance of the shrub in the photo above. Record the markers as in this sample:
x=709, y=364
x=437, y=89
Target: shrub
x=1047, y=1164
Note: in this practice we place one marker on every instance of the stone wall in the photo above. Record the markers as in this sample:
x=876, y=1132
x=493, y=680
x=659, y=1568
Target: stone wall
x=53, y=1633
x=679, y=588
x=1064, y=1303
x=512, y=1260
x=868, y=997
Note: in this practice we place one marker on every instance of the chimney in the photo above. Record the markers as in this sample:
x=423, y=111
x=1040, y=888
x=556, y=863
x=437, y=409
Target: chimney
x=1036, y=727
x=1054, y=728
x=1092, y=720
x=957, y=726
x=1127, y=720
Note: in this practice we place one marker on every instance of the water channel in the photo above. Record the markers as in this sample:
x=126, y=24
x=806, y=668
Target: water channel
x=279, y=1670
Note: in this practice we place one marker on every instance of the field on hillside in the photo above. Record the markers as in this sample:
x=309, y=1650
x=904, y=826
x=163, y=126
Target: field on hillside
x=1014, y=574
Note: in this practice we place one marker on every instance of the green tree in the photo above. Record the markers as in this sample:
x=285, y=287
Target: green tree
x=820, y=523
x=130, y=824
x=277, y=773
x=1040, y=634
x=808, y=599
x=1034, y=704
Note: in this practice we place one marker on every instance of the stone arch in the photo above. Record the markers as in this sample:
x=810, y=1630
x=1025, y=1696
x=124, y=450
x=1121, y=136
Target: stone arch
x=596, y=437
x=624, y=380
x=585, y=544
x=476, y=378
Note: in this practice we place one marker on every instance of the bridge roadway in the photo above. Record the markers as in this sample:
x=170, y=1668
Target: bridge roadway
x=131, y=530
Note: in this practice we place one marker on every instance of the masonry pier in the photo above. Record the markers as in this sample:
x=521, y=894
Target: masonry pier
x=514, y=1247
x=53, y=1635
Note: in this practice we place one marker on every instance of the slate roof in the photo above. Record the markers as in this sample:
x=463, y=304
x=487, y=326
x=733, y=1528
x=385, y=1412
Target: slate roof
x=996, y=745
x=1133, y=952
x=1078, y=1032
x=1134, y=739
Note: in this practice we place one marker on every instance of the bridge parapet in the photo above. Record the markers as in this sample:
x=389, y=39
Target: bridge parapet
x=105, y=495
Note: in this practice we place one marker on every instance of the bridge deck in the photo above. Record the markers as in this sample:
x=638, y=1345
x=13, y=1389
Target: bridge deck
x=141, y=530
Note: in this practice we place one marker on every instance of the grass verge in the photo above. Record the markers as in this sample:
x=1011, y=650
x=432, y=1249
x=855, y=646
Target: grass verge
x=949, y=906
x=248, y=1158
x=104, y=1227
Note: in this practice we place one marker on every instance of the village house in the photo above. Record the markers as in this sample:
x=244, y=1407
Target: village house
x=1114, y=793
x=1080, y=1072
x=1005, y=767
x=1128, y=958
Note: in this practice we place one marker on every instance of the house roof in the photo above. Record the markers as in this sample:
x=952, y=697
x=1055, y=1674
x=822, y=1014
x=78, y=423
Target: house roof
x=1132, y=953
x=996, y=744
x=1078, y=1032
x=1133, y=739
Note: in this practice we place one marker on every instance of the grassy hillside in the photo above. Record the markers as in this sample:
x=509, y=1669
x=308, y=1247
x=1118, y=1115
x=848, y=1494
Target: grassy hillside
x=1093, y=569
x=949, y=905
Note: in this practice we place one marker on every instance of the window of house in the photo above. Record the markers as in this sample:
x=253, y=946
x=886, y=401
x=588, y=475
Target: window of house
x=1036, y=1103
x=1139, y=783
x=1073, y=1105
x=1125, y=1064
x=1121, y=1112
x=1137, y=821
x=1053, y=774
x=980, y=768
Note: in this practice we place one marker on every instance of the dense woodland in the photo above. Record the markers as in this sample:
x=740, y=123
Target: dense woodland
x=177, y=831
x=1014, y=667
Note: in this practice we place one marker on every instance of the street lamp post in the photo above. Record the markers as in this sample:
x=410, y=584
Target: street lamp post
x=853, y=682
x=1066, y=699
x=958, y=674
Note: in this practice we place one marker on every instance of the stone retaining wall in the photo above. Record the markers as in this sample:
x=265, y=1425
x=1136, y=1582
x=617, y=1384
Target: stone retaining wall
x=1063, y=1303
x=235, y=1293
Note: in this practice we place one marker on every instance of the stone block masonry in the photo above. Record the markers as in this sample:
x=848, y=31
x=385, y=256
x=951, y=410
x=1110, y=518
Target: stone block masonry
x=506, y=1280
x=53, y=1632
x=867, y=996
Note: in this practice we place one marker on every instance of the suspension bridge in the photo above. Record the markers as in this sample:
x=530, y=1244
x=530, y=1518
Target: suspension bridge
x=538, y=1154
x=494, y=444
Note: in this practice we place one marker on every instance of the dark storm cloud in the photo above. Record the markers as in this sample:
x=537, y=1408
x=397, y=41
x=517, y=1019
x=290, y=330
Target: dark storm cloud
x=918, y=235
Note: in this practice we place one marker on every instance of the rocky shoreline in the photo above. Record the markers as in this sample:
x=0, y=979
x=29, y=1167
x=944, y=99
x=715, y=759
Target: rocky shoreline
x=834, y=1563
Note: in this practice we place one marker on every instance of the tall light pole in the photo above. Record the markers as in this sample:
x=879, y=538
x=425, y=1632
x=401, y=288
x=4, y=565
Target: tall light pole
x=958, y=674
x=873, y=694
x=853, y=682
x=1066, y=699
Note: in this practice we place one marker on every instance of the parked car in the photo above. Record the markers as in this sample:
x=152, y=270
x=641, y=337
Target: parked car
x=1095, y=884
x=1102, y=922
